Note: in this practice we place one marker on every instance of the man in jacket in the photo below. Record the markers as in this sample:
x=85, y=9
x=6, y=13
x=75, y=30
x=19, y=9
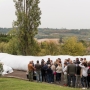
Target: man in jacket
x=78, y=73
x=30, y=71
x=38, y=72
x=71, y=72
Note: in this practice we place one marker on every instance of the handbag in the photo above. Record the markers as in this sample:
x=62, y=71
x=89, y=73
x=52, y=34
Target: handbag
x=54, y=73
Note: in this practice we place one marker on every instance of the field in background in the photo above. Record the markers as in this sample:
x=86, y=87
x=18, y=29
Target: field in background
x=48, y=40
x=51, y=33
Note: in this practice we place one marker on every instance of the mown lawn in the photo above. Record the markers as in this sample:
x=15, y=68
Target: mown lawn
x=17, y=84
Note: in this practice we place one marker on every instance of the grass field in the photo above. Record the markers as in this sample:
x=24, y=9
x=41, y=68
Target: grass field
x=17, y=84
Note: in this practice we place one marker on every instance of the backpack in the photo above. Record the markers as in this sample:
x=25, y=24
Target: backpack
x=88, y=71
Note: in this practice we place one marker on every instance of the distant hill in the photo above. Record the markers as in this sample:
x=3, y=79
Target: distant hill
x=82, y=34
x=50, y=33
x=5, y=30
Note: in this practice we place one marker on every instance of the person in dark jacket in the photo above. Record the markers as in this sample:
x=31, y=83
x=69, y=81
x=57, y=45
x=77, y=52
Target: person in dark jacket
x=42, y=70
x=78, y=73
x=48, y=61
x=49, y=74
x=38, y=72
x=45, y=67
x=71, y=72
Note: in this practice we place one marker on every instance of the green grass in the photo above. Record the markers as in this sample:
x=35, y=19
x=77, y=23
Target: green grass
x=17, y=84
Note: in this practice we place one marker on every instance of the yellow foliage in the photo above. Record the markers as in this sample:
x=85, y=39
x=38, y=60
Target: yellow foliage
x=73, y=47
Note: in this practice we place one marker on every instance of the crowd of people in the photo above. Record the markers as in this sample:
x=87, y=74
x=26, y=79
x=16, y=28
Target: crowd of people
x=76, y=73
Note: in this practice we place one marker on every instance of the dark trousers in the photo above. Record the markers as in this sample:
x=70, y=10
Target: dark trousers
x=58, y=76
x=71, y=78
x=88, y=81
x=44, y=75
x=52, y=78
x=84, y=81
x=49, y=78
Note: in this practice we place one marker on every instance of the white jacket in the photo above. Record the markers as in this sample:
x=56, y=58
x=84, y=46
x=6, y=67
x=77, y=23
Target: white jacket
x=84, y=70
x=65, y=70
x=59, y=69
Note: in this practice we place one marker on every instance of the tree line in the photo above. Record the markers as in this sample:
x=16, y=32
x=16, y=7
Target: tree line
x=69, y=46
x=83, y=34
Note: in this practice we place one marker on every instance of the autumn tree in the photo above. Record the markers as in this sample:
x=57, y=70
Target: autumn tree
x=72, y=47
x=12, y=46
x=28, y=19
x=50, y=48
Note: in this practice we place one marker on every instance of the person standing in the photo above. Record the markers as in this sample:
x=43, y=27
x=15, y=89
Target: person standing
x=48, y=61
x=65, y=74
x=49, y=74
x=44, y=68
x=53, y=68
x=58, y=72
x=78, y=74
x=71, y=72
x=1, y=68
x=38, y=72
x=30, y=71
x=84, y=74
x=88, y=77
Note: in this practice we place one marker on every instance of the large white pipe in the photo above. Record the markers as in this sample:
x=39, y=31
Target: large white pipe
x=21, y=62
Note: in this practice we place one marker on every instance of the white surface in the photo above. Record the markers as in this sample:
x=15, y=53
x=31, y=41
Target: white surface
x=21, y=62
x=7, y=69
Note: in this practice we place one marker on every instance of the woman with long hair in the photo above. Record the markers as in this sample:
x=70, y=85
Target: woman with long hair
x=58, y=72
x=84, y=74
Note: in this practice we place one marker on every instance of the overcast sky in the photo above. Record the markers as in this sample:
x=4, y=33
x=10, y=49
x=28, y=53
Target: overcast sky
x=70, y=14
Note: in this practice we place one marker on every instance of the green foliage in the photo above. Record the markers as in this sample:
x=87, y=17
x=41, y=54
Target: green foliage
x=12, y=46
x=28, y=19
x=72, y=47
x=5, y=38
x=83, y=42
x=35, y=49
x=2, y=46
x=50, y=48
x=13, y=32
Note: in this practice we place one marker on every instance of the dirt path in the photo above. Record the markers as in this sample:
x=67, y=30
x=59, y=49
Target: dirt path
x=22, y=75
x=17, y=74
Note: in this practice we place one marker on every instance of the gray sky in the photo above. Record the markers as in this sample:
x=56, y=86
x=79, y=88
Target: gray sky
x=70, y=14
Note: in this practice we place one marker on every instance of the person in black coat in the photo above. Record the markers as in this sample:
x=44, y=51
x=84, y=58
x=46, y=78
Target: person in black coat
x=49, y=74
